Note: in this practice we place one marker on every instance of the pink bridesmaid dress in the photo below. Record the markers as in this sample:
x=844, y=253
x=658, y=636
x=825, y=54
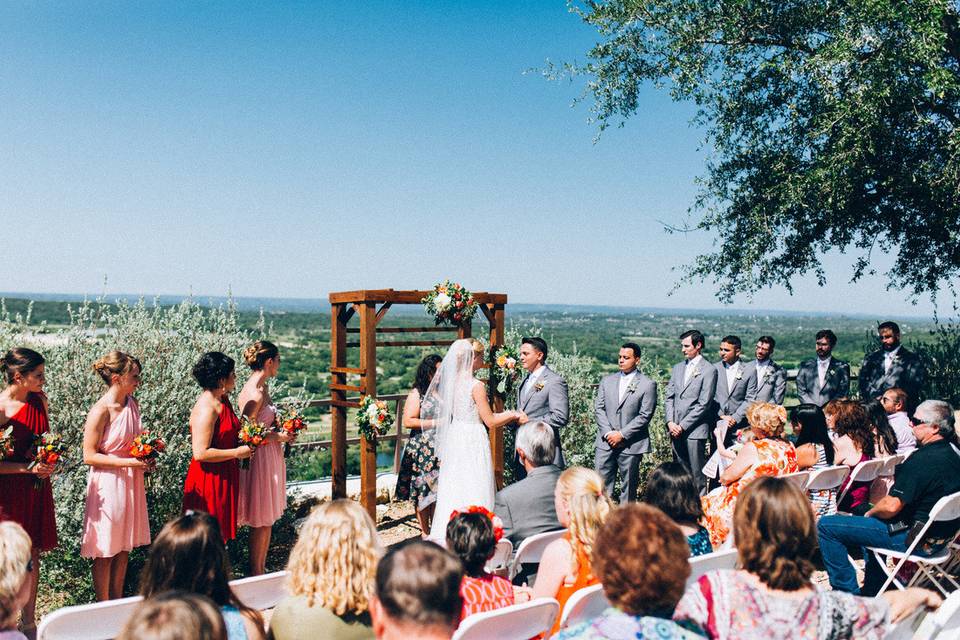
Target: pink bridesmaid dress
x=115, y=518
x=263, y=488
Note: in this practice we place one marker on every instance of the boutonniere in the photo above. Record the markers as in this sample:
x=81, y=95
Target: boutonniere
x=739, y=375
x=831, y=372
x=696, y=372
x=538, y=386
x=632, y=387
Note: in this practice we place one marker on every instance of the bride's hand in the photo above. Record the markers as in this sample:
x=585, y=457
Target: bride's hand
x=522, y=418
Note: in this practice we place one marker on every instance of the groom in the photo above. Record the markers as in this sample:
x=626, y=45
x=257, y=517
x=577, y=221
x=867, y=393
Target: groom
x=541, y=396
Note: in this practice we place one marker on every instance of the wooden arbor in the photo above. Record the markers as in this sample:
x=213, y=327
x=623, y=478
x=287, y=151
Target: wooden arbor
x=371, y=306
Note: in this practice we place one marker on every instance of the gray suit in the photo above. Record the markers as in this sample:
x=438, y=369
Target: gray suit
x=527, y=507
x=690, y=404
x=548, y=402
x=835, y=385
x=734, y=401
x=906, y=372
x=773, y=387
x=631, y=417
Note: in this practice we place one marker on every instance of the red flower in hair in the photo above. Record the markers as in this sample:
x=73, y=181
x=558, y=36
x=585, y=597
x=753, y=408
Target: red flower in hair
x=494, y=518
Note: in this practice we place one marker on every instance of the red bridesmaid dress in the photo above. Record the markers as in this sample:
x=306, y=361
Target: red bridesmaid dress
x=20, y=500
x=214, y=486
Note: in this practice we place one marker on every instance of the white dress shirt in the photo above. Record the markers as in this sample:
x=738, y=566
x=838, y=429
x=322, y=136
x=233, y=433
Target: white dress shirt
x=762, y=366
x=625, y=380
x=692, y=365
x=731, y=370
x=888, y=359
x=823, y=364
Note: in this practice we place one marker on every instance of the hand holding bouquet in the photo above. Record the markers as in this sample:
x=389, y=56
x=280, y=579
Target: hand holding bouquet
x=253, y=434
x=506, y=368
x=50, y=451
x=6, y=442
x=373, y=418
x=147, y=448
x=291, y=423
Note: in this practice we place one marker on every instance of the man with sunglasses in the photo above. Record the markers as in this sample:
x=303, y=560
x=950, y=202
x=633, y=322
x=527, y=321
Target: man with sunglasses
x=930, y=473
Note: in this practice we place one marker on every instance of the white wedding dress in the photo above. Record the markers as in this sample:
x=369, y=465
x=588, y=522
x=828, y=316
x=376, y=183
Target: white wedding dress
x=463, y=446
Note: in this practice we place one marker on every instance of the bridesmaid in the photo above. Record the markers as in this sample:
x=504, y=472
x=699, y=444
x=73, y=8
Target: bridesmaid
x=115, y=518
x=23, y=406
x=263, y=488
x=213, y=479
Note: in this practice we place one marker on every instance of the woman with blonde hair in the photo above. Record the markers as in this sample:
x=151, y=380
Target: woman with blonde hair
x=263, y=487
x=332, y=569
x=115, y=515
x=768, y=454
x=16, y=566
x=582, y=507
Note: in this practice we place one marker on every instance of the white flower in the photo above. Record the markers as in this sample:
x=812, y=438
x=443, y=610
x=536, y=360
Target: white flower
x=442, y=301
x=373, y=412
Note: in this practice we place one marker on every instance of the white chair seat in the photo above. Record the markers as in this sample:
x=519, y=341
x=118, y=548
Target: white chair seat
x=517, y=621
x=942, y=556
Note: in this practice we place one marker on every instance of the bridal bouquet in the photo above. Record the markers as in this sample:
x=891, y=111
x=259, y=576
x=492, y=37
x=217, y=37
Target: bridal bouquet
x=450, y=303
x=494, y=519
x=50, y=449
x=147, y=447
x=373, y=418
x=291, y=423
x=6, y=442
x=253, y=434
x=506, y=368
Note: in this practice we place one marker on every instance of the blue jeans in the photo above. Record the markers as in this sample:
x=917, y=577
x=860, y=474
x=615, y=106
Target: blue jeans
x=838, y=532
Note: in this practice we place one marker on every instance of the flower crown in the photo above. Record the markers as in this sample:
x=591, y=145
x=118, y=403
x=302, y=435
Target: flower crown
x=494, y=519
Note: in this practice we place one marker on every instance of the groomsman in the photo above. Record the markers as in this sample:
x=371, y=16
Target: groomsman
x=770, y=378
x=735, y=388
x=892, y=366
x=541, y=396
x=688, y=406
x=824, y=378
x=626, y=402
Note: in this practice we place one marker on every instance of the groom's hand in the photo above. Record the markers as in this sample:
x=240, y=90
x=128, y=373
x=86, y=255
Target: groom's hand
x=675, y=429
x=614, y=438
x=523, y=418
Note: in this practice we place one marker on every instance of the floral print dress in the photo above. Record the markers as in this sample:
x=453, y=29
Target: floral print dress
x=419, y=467
x=774, y=458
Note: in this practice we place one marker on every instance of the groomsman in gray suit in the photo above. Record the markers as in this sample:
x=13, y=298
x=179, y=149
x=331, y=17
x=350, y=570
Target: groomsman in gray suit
x=625, y=405
x=735, y=389
x=824, y=378
x=542, y=395
x=688, y=406
x=892, y=366
x=770, y=378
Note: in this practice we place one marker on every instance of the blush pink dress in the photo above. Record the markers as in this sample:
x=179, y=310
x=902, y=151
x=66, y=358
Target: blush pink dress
x=115, y=518
x=263, y=488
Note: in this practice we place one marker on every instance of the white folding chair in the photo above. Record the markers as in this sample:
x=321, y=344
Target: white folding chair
x=516, y=621
x=97, y=621
x=866, y=471
x=827, y=478
x=261, y=592
x=890, y=466
x=798, y=478
x=947, y=508
x=531, y=550
x=907, y=628
x=585, y=604
x=945, y=621
x=699, y=565
x=499, y=562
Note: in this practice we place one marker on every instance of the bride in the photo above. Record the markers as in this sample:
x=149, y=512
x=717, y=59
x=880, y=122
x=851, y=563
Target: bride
x=458, y=409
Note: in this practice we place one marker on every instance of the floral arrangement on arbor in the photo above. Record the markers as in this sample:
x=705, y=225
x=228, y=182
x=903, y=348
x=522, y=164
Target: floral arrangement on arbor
x=50, y=449
x=373, y=419
x=494, y=519
x=450, y=303
x=253, y=434
x=506, y=367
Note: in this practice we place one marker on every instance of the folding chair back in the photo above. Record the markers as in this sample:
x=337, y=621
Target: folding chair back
x=890, y=465
x=827, y=478
x=699, y=565
x=97, y=621
x=526, y=620
x=942, y=623
x=799, y=478
x=261, y=592
x=500, y=560
x=585, y=604
x=531, y=550
x=866, y=471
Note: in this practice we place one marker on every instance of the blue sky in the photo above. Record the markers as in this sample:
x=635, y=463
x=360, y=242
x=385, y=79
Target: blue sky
x=292, y=149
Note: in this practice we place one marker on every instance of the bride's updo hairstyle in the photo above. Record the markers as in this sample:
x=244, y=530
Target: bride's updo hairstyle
x=581, y=490
x=212, y=367
x=257, y=354
x=115, y=363
x=476, y=345
x=19, y=360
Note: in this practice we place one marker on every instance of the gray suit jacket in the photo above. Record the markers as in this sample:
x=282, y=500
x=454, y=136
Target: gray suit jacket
x=773, y=387
x=906, y=372
x=631, y=417
x=735, y=400
x=548, y=403
x=527, y=507
x=836, y=384
x=691, y=405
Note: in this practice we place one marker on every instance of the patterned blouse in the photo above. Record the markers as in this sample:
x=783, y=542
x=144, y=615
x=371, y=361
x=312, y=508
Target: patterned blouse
x=731, y=604
x=485, y=593
x=699, y=542
x=614, y=624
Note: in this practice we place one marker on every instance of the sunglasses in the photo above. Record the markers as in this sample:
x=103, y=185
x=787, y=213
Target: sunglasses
x=915, y=421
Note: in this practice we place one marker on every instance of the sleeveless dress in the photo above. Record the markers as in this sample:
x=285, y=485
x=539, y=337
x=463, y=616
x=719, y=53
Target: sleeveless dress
x=466, y=466
x=263, y=487
x=419, y=468
x=585, y=578
x=214, y=486
x=774, y=458
x=20, y=500
x=233, y=621
x=115, y=517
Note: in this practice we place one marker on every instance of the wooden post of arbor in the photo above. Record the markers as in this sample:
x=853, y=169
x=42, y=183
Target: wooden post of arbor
x=343, y=306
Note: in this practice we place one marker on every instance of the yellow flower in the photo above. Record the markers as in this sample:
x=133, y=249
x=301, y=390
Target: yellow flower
x=501, y=360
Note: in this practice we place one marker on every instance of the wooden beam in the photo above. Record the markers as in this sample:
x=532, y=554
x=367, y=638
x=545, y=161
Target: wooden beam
x=408, y=329
x=346, y=312
x=383, y=311
x=405, y=297
x=404, y=343
x=339, y=315
x=497, y=323
x=368, y=362
x=343, y=404
x=488, y=312
x=345, y=387
x=353, y=370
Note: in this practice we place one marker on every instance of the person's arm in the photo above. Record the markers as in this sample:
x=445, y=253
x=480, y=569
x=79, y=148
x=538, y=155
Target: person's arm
x=600, y=410
x=668, y=399
x=845, y=452
x=411, y=412
x=748, y=399
x=744, y=460
x=904, y=602
x=779, y=385
x=490, y=418
x=252, y=625
x=887, y=507
x=843, y=373
x=203, y=419
x=648, y=406
x=708, y=389
x=502, y=510
x=559, y=403
x=806, y=456
x=554, y=567
x=10, y=468
x=97, y=419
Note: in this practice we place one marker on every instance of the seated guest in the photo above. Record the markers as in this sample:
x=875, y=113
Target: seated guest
x=772, y=596
x=331, y=568
x=894, y=401
x=768, y=454
x=854, y=444
x=814, y=451
x=932, y=472
x=671, y=489
x=582, y=506
x=471, y=536
x=640, y=559
x=175, y=615
x=526, y=507
x=417, y=593
x=884, y=438
x=188, y=554
x=16, y=567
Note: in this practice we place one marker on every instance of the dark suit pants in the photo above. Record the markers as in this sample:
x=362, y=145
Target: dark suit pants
x=692, y=454
x=609, y=462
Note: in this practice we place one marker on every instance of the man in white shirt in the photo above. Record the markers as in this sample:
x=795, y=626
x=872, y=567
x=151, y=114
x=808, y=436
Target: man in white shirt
x=892, y=366
x=823, y=378
x=894, y=401
x=735, y=389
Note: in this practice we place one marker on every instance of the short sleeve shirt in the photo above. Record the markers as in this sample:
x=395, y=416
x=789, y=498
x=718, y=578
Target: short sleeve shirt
x=931, y=472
